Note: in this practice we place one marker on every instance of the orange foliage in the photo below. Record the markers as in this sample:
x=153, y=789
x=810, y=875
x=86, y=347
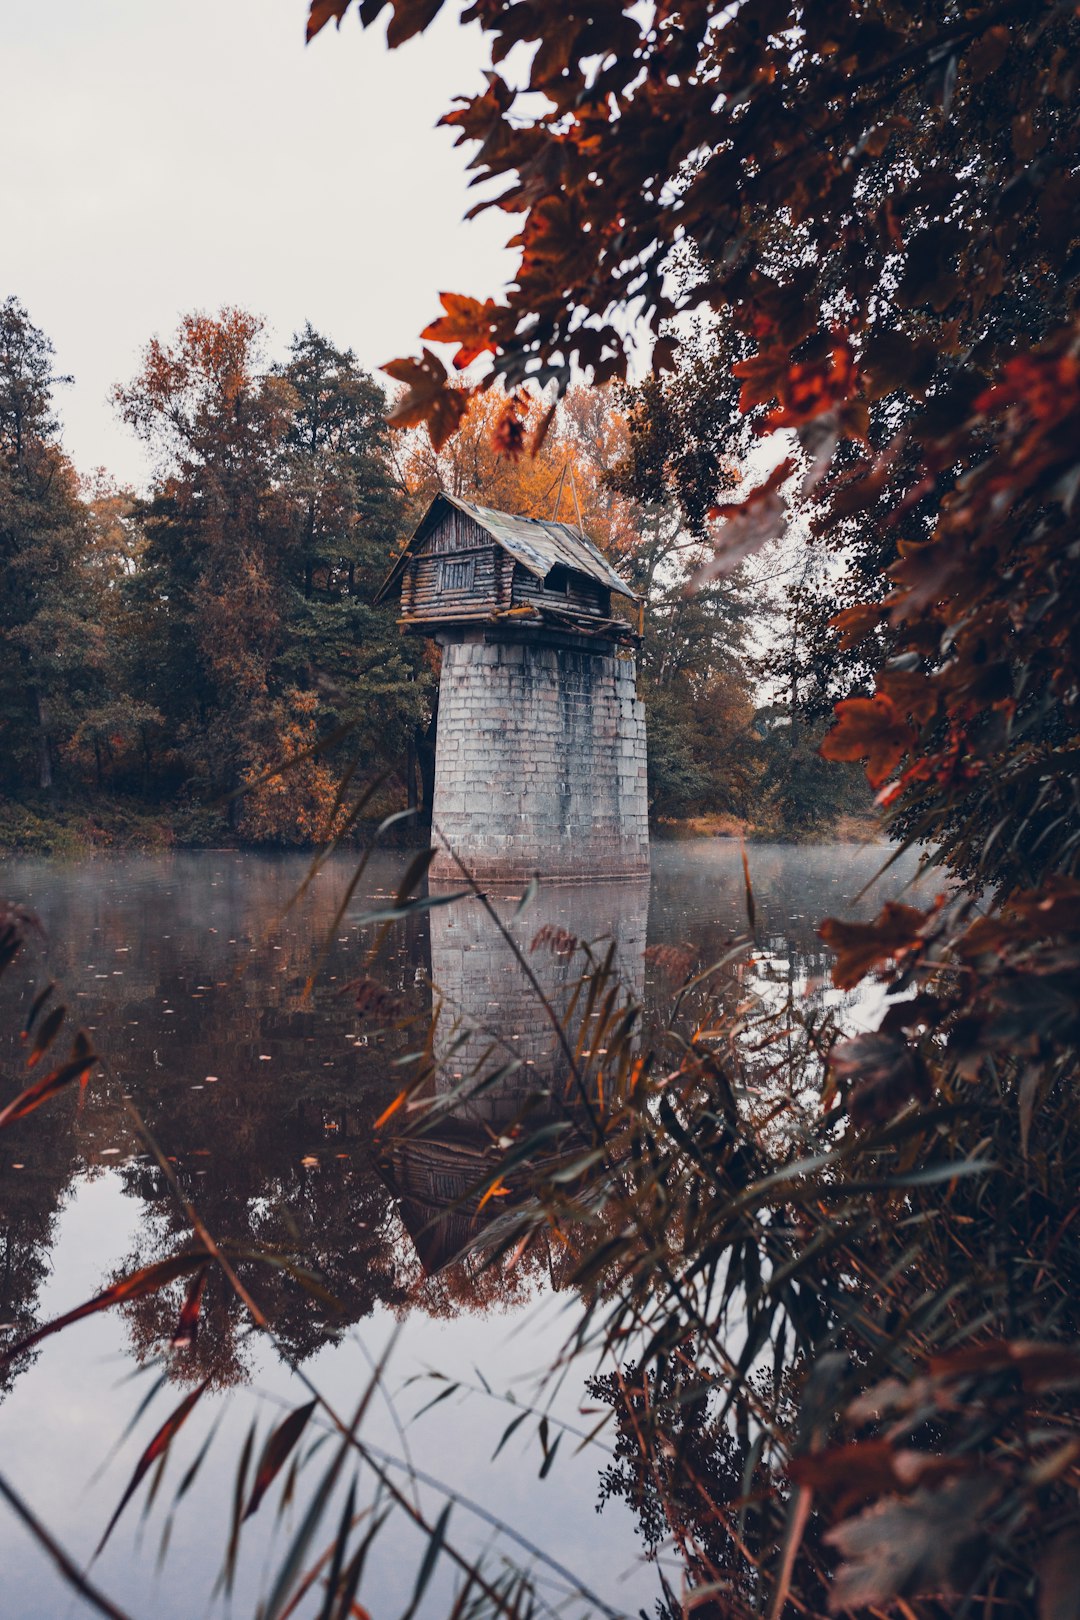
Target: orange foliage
x=570, y=445
x=295, y=804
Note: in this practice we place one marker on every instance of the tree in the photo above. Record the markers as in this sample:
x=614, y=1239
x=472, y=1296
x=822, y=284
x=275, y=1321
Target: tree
x=349, y=512
x=217, y=539
x=51, y=668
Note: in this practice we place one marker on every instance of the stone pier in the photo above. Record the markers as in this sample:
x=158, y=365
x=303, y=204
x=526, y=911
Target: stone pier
x=541, y=762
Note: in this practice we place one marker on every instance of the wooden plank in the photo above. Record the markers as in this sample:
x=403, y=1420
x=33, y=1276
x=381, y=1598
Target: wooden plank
x=456, y=532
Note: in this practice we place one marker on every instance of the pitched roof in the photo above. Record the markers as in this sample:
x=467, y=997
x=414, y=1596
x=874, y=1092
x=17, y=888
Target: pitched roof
x=536, y=543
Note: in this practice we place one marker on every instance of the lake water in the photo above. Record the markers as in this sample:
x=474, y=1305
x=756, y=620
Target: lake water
x=190, y=971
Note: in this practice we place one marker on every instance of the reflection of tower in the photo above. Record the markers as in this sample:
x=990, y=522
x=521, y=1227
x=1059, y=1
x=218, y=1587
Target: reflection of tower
x=491, y=1017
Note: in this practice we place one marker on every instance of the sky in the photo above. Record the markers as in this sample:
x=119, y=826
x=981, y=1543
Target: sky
x=160, y=158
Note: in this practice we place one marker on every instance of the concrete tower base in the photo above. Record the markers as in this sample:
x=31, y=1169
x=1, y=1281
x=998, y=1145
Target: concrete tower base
x=540, y=765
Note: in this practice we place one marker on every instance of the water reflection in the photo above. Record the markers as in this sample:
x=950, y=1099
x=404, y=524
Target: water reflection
x=497, y=1048
x=265, y=1101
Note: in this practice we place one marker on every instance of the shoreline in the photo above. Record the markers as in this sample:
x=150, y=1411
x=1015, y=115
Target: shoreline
x=78, y=833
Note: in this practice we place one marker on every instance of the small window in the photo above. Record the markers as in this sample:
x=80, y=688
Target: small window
x=457, y=576
x=557, y=582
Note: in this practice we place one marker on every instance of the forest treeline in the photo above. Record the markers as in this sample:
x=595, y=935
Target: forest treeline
x=164, y=652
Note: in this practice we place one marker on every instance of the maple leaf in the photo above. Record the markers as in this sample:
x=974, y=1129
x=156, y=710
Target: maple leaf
x=430, y=398
x=859, y=947
x=810, y=390
x=763, y=377
x=912, y=692
x=869, y=729
x=470, y=323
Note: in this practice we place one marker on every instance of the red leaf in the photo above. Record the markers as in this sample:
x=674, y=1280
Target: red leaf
x=146, y=1281
x=157, y=1447
x=187, y=1326
x=276, y=1451
x=49, y=1084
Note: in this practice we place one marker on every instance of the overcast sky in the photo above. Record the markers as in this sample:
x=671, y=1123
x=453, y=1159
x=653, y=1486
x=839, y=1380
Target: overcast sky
x=161, y=157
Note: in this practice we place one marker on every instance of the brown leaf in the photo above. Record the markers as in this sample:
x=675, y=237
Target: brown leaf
x=865, y=1468
x=860, y=947
x=474, y=325
x=912, y=693
x=1038, y=1366
x=856, y=623
x=882, y=1073
x=430, y=398
x=869, y=729
x=508, y=436
x=322, y=12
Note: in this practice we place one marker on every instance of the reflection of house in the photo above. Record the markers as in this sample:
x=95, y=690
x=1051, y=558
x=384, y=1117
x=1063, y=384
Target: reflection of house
x=540, y=763
x=491, y=1017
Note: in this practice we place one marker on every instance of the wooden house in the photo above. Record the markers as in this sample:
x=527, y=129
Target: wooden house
x=468, y=564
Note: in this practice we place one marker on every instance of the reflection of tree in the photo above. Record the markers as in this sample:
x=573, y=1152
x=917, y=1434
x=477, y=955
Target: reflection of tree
x=188, y=995
x=332, y=1250
x=274, y=1157
x=40, y=1156
x=28, y=1208
x=681, y=1466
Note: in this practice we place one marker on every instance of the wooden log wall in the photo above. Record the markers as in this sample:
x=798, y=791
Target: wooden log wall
x=575, y=591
